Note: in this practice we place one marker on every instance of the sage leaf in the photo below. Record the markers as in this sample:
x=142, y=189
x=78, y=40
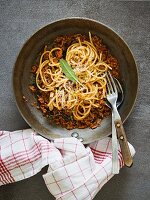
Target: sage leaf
x=68, y=71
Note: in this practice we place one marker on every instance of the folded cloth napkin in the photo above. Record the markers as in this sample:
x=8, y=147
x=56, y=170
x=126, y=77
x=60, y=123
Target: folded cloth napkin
x=74, y=172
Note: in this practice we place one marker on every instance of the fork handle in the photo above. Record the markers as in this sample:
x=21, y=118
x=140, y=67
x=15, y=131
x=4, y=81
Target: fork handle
x=115, y=160
x=128, y=161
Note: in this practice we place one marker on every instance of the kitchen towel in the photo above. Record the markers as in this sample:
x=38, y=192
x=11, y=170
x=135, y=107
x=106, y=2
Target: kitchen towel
x=75, y=172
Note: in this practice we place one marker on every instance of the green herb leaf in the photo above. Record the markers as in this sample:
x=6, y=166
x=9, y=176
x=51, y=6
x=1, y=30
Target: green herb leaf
x=68, y=71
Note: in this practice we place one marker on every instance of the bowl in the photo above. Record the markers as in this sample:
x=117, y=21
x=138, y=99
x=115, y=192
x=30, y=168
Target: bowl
x=47, y=34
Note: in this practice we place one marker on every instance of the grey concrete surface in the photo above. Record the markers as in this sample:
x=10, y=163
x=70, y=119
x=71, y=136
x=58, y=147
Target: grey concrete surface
x=19, y=19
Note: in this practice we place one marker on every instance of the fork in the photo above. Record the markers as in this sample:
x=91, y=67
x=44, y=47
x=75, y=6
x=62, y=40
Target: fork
x=113, y=101
x=117, y=129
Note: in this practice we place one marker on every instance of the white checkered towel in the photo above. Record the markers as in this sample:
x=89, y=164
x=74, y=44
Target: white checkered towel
x=74, y=173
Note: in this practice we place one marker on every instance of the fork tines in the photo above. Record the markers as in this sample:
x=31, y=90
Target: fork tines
x=111, y=86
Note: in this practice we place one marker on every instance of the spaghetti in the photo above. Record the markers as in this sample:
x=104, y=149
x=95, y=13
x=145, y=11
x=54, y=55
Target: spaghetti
x=72, y=104
x=81, y=96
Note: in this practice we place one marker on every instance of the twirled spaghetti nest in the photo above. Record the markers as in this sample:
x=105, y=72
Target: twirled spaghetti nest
x=80, y=98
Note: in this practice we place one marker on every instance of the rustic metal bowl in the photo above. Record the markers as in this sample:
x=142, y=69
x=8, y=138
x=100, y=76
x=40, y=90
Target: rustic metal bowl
x=28, y=54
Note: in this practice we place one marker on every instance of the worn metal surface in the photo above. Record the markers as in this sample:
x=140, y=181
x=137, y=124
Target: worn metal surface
x=22, y=76
x=131, y=20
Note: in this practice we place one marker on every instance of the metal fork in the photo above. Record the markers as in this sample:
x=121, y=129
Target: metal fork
x=112, y=96
x=117, y=128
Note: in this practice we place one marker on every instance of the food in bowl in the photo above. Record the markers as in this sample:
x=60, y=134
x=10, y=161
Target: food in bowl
x=69, y=80
x=22, y=76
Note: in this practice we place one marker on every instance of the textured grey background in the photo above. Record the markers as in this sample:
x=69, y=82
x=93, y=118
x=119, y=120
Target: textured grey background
x=19, y=19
